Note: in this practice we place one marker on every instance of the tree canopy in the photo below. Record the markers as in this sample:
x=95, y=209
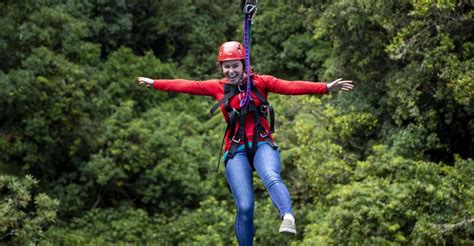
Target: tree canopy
x=88, y=156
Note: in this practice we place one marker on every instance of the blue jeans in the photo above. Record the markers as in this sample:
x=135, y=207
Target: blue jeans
x=239, y=176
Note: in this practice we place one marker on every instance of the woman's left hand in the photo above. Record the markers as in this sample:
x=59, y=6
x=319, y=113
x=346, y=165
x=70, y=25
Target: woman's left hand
x=339, y=84
x=144, y=81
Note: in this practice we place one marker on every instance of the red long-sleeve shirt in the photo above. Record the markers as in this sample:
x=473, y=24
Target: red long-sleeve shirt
x=263, y=83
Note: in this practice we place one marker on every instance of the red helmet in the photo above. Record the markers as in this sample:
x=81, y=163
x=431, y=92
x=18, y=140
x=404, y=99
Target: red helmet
x=232, y=50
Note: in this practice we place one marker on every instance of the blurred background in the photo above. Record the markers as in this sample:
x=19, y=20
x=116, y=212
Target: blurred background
x=89, y=157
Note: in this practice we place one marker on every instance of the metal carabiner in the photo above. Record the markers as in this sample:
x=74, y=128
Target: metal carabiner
x=250, y=8
x=264, y=134
x=263, y=108
x=235, y=112
x=236, y=140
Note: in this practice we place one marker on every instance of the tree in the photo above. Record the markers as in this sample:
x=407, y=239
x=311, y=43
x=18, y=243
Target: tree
x=24, y=213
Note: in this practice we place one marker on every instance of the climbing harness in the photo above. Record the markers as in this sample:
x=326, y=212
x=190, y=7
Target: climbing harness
x=237, y=135
x=247, y=104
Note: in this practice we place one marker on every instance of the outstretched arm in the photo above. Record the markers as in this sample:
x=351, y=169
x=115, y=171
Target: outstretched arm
x=285, y=87
x=203, y=88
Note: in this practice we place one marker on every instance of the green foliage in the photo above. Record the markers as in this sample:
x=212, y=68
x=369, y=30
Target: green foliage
x=154, y=156
x=292, y=55
x=48, y=117
x=100, y=226
x=24, y=213
x=118, y=73
x=396, y=200
x=209, y=224
x=390, y=163
x=432, y=51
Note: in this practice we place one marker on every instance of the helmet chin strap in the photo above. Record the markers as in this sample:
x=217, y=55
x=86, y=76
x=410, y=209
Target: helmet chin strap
x=242, y=78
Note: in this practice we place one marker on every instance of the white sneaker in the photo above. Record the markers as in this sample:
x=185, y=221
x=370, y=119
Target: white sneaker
x=288, y=226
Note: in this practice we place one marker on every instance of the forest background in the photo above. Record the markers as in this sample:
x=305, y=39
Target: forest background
x=88, y=156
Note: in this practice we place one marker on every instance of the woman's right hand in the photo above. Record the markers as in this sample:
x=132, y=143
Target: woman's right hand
x=339, y=84
x=147, y=82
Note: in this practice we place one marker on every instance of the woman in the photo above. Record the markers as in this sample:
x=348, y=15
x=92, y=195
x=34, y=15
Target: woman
x=248, y=134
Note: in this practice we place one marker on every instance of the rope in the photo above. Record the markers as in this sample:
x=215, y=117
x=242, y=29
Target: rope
x=247, y=33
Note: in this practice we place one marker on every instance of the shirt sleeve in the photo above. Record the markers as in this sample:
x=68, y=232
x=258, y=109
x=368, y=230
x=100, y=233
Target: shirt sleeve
x=295, y=87
x=193, y=87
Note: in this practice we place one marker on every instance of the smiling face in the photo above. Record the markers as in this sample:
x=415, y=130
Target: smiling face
x=233, y=71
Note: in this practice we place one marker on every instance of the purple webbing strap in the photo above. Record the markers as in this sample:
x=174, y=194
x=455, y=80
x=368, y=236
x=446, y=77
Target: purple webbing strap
x=246, y=99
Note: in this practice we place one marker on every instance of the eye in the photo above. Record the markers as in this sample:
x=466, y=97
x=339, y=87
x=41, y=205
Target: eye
x=226, y=66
